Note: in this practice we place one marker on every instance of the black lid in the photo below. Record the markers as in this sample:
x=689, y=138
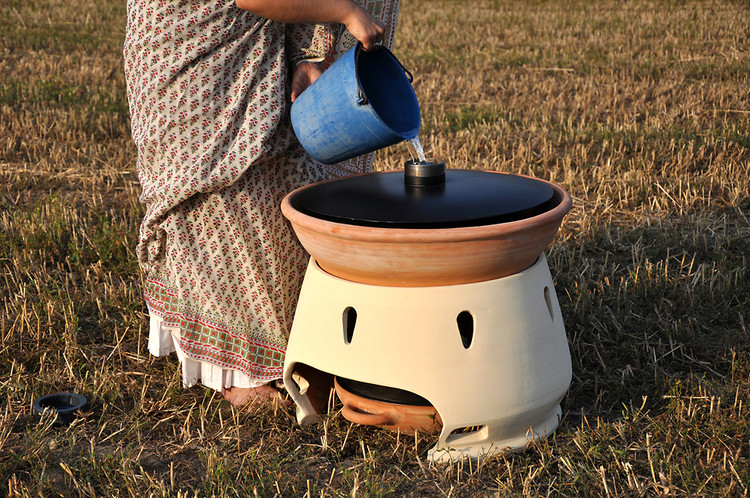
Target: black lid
x=382, y=393
x=466, y=198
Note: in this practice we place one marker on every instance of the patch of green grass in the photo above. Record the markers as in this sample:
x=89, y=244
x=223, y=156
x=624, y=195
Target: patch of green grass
x=718, y=70
x=44, y=39
x=56, y=94
x=53, y=232
x=469, y=116
x=54, y=28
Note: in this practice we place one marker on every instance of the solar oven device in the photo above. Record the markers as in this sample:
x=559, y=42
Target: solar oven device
x=429, y=305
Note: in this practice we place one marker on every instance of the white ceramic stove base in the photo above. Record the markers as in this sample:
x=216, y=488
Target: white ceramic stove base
x=506, y=385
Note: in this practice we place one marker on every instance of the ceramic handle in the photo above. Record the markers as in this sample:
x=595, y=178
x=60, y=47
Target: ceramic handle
x=359, y=417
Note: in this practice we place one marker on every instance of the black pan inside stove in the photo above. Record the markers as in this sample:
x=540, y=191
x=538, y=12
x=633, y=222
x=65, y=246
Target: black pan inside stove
x=382, y=393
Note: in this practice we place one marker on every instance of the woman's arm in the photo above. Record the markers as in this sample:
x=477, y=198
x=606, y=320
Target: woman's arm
x=360, y=23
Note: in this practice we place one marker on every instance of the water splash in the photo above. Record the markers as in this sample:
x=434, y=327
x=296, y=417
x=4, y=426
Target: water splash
x=416, y=151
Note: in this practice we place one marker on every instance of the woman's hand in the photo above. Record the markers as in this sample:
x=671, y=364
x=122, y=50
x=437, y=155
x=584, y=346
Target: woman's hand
x=304, y=76
x=360, y=23
x=364, y=27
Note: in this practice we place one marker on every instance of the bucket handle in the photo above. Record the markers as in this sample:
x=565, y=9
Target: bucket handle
x=361, y=97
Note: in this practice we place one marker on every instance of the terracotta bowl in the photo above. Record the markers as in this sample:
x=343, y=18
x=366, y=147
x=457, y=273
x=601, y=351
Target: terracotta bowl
x=407, y=419
x=408, y=257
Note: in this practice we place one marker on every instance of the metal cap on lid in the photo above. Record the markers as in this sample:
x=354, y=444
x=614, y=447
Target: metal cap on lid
x=423, y=174
x=426, y=196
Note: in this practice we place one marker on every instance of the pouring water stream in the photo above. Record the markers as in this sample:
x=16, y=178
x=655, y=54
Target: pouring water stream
x=416, y=151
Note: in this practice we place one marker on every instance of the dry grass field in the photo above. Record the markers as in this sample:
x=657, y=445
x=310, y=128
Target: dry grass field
x=641, y=110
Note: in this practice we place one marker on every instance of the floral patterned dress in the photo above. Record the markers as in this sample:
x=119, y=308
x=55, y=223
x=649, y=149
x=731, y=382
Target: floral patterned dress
x=208, y=88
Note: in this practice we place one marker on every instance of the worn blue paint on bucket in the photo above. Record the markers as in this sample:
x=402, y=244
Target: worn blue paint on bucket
x=362, y=103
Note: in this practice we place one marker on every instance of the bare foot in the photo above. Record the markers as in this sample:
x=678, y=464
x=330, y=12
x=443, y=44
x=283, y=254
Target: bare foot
x=254, y=396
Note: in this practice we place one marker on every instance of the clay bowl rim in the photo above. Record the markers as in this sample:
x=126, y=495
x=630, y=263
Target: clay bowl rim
x=425, y=235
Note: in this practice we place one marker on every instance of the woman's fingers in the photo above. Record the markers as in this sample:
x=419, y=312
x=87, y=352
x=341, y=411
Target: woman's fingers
x=304, y=76
x=365, y=28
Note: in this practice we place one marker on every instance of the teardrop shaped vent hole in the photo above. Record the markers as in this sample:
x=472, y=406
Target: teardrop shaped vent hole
x=548, y=301
x=349, y=319
x=465, y=321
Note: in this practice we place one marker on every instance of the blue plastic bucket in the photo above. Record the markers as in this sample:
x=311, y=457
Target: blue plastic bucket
x=362, y=103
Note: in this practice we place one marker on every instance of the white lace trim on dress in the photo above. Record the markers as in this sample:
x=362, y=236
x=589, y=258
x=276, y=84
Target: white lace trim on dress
x=163, y=340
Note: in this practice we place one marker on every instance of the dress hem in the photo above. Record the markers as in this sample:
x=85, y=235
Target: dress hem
x=164, y=340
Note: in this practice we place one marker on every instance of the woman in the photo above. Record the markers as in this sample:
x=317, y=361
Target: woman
x=209, y=91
